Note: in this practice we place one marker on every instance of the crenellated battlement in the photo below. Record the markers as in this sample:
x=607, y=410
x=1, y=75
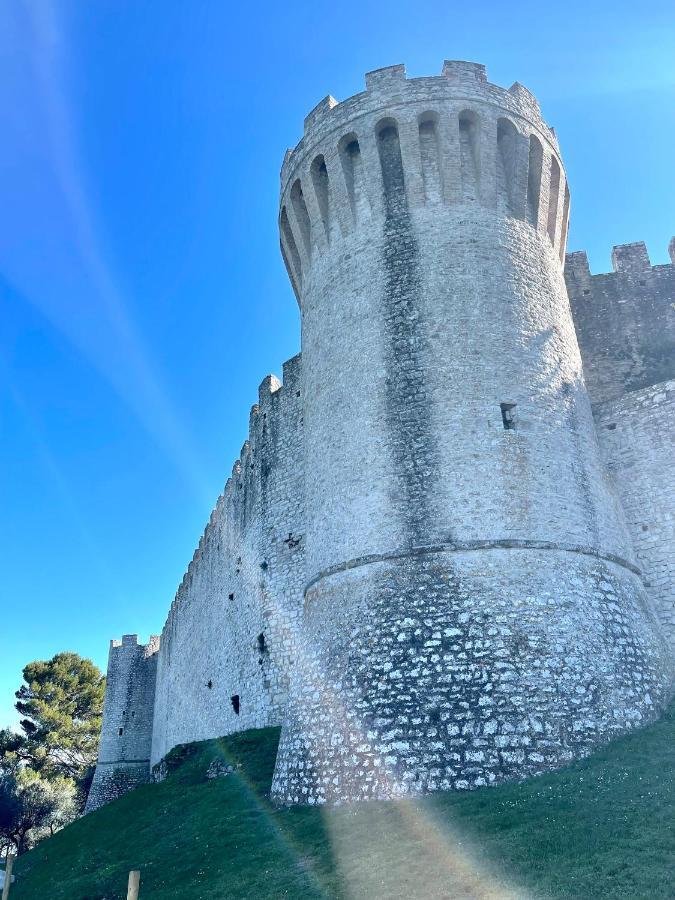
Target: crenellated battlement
x=434, y=560
x=625, y=320
x=244, y=481
x=392, y=84
x=461, y=139
x=627, y=259
x=130, y=641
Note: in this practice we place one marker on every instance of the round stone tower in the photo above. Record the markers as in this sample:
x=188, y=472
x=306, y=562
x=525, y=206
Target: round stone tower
x=473, y=611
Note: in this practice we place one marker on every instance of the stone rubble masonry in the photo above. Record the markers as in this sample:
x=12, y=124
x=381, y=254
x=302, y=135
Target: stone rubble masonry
x=430, y=565
x=637, y=437
x=625, y=321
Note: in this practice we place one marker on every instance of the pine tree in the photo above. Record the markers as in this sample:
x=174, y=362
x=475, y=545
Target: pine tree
x=61, y=702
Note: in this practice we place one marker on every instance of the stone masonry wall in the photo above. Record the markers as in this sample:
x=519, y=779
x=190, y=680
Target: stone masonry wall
x=228, y=642
x=637, y=437
x=126, y=734
x=429, y=564
x=625, y=321
x=454, y=483
x=461, y=675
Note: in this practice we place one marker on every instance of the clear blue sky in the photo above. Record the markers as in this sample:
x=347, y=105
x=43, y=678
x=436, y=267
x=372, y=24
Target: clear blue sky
x=143, y=297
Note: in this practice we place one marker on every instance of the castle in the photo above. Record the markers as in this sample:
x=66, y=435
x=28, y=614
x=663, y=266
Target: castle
x=446, y=555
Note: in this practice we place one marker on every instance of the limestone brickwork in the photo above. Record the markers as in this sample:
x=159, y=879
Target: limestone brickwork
x=430, y=565
x=231, y=629
x=625, y=321
x=637, y=436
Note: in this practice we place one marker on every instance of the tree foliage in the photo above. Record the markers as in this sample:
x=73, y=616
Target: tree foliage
x=46, y=768
x=32, y=808
x=61, y=703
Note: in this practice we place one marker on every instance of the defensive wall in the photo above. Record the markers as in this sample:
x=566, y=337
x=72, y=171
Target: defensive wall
x=473, y=610
x=228, y=643
x=445, y=555
x=625, y=323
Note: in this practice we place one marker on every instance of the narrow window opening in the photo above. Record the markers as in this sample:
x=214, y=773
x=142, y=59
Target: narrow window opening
x=565, y=223
x=234, y=700
x=209, y=684
x=553, y=196
x=468, y=147
x=430, y=157
x=391, y=164
x=534, y=179
x=301, y=214
x=508, y=416
x=260, y=640
x=264, y=565
x=230, y=596
x=319, y=174
x=506, y=161
x=121, y=732
x=295, y=269
x=350, y=159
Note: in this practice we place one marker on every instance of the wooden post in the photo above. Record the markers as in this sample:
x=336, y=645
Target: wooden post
x=9, y=863
x=134, y=884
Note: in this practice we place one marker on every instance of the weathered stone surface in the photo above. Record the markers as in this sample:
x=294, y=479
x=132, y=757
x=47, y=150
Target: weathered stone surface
x=637, y=436
x=625, y=321
x=425, y=566
x=126, y=736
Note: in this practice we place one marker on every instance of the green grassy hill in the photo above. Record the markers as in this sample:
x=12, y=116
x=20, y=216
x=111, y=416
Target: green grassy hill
x=602, y=828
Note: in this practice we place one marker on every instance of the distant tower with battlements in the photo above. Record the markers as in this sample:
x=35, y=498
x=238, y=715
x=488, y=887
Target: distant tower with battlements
x=126, y=735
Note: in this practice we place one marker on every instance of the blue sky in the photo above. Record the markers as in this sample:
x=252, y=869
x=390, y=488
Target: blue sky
x=142, y=295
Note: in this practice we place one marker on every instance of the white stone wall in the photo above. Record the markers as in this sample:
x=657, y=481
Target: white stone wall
x=420, y=566
x=427, y=261
x=637, y=436
x=231, y=629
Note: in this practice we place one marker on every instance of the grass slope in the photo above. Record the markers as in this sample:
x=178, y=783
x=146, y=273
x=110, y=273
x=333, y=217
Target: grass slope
x=602, y=828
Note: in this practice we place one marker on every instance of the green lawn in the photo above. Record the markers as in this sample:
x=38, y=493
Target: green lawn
x=602, y=828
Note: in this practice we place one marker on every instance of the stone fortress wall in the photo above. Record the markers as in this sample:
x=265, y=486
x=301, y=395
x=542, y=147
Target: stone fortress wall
x=427, y=566
x=473, y=611
x=228, y=643
x=625, y=323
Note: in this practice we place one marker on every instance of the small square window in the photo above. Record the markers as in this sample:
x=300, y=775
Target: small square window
x=508, y=415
